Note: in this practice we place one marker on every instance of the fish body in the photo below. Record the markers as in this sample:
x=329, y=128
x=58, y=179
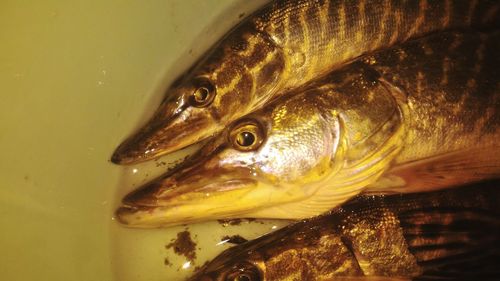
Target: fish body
x=420, y=116
x=452, y=234
x=282, y=46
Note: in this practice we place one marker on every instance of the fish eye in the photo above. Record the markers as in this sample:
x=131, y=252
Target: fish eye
x=203, y=94
x=245, y=273
x=243, y=277
x=246, y=136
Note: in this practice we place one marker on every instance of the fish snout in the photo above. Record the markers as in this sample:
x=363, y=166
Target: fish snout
x=186, y=196
x=174, y=126
x=147, y=196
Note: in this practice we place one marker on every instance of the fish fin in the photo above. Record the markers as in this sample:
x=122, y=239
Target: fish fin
x=454, y=243
x=442, y=171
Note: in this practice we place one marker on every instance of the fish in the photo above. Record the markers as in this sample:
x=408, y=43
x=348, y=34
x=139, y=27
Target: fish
x=280, y=47
x=420, y=116
x=451, y=234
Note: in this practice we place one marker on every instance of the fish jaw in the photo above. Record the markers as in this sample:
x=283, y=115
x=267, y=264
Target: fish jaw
x=167, y=131
x=202, y=193
x=222, y=182
x=180, y=212
x=243, y=197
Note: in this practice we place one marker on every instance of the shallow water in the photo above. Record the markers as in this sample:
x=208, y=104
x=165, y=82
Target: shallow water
x=139, y=254
x=76, y=77
x=142, y=254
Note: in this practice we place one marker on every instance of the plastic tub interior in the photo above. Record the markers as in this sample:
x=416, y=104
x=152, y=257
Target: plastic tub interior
x=76, y=78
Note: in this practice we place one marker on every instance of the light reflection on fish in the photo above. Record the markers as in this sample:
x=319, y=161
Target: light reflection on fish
x=441, y=235
x=421, y=116
x=282, y=46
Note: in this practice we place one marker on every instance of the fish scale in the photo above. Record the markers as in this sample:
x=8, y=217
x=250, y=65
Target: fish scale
x=446, y=114
x=285, y=45
x=442, y=235
x=385, y=123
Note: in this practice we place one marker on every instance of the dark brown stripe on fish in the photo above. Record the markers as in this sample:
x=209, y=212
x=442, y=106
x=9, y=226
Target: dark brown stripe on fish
x=437, y=13
x=485, y=82
x=313, y=21
x=259, y=54
x=328, y=29
x=332, y=17
x=467, y=81
x=270, y=71
x=352, y=15
x=472, y=8
x=313, y=24
x=382, y=24
x=244, y=86
x=490, y=15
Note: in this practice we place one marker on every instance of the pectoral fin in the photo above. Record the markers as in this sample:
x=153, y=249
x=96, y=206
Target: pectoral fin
x=439, y=172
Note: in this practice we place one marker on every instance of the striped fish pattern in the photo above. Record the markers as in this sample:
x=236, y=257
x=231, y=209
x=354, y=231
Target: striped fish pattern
x=446, y=235
x=420, y=116
x=282, y=46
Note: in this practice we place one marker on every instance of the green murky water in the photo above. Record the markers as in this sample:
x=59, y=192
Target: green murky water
x=76, y=77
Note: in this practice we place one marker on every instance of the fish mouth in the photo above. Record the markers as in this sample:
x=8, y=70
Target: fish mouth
x=175, y=125
x=169, y=204
x=201, y=190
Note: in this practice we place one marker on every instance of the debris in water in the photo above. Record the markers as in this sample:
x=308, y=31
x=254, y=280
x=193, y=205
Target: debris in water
x=225, y=223
x=234, y=239
x=184, y=245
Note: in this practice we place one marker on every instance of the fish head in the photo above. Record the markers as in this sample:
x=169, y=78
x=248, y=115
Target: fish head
x=233, y=265
x=248, y=261
x=313, y=258
x=227, y=83
x=307, y=250
x=260, y=161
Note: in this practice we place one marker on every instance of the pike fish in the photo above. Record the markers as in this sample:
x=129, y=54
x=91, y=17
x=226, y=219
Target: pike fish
x=421, y=116
x=451, y=234
x=280, y=47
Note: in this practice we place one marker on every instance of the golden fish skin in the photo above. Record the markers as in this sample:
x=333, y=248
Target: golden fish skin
x=367, y=127
x=441, y=235
x=282, y=46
